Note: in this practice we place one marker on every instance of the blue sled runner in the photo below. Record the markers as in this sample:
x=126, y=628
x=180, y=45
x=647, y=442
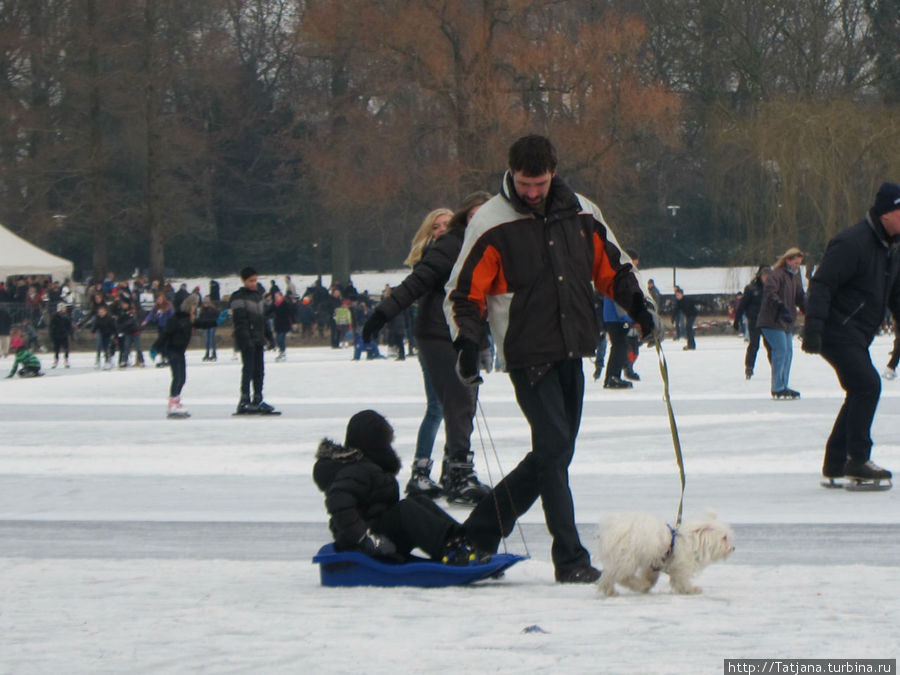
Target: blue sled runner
x=353, y=568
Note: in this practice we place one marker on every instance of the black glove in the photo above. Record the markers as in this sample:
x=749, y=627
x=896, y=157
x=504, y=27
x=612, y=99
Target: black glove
x=737, y=325
x=467, y=361
x=377, y=545
x=651, y=325
x=812, y=341
x=372, y=325
x=784, y=314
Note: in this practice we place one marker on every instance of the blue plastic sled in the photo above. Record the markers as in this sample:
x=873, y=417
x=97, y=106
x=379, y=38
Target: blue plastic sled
x=353, y=568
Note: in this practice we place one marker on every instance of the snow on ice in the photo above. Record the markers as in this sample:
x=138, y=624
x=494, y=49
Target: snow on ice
x=133, y=543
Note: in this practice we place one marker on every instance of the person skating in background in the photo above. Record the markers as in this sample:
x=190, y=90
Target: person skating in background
x=452, y=401
x=633, y=335
x=126, y=326
x=600, y=352
x=858, y=278
x=688, y=309
x=748, y=310
x=782, y=296
x=61, y=330
x=251, y=334
x=283, y=321
x=162, y=311
x=174, y=341
x=104, y=330
x=528, y=262
x=208, y=321
x=6, y=324
x=617, y=324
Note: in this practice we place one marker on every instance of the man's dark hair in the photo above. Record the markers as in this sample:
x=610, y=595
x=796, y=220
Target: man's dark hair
x=532, y=155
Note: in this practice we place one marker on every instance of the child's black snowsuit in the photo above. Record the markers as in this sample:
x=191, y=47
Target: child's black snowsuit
x=362, y=493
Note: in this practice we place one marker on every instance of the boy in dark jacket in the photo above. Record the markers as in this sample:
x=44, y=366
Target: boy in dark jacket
x=251, y=332
x=61, y=328
x=104, y=329
x=362, y=497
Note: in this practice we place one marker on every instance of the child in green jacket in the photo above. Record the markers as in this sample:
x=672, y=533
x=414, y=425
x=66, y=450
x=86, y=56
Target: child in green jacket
x=30, y=364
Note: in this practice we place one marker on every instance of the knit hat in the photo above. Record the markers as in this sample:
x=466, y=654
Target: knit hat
x=247, y=272
x=887, y=199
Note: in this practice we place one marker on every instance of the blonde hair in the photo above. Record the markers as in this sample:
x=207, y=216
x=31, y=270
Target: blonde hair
x=790, y=253
x=423, y=236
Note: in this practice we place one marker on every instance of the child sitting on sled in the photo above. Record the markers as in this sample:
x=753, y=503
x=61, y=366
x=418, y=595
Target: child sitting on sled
x=30, y=364
x=362, y=497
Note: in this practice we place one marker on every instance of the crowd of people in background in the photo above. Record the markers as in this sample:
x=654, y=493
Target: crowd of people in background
x=125, y=318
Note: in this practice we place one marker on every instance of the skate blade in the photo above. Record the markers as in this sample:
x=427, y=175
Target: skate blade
x=833, y=484
x=178, y=416
x=867, y=485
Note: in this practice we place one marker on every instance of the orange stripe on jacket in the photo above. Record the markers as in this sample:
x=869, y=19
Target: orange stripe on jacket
x=487, y=278
x=602, y=271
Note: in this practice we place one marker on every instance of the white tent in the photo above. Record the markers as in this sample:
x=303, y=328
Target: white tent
x=18, y=256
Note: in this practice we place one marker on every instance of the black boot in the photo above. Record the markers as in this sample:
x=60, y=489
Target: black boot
x=459, y=551
x=461, y=485
x=420, y=482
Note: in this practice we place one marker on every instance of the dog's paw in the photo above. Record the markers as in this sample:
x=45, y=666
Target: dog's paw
x=688, y=590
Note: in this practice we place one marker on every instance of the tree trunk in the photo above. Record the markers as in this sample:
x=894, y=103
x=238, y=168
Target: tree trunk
x=154, y=226
x=100, y=255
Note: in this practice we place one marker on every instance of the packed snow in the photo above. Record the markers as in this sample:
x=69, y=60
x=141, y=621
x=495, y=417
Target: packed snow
x=133, y=543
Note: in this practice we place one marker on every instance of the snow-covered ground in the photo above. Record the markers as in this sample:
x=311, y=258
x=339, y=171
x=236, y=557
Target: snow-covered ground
x=132, y=543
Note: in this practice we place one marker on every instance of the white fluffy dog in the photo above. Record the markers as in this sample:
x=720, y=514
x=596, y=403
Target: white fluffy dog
x=635, y=547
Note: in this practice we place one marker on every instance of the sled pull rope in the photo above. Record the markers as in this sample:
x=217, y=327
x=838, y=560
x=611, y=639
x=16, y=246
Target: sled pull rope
x=664, y=372
x=487, y=464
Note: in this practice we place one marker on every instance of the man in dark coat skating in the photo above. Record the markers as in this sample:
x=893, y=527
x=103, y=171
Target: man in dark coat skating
x=858, y=278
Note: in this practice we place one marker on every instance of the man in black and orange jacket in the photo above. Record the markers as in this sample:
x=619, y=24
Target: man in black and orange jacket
x=531, y=259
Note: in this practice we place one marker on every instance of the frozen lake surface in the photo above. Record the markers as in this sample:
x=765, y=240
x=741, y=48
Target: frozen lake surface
x=132, y=543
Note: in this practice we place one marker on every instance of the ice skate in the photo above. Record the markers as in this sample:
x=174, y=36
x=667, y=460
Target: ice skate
x=631, y=375
x=66, y=364
x=263, y=408
x=420, y=482
x=461, y=484
x=614, y=382
x=245, y=407
x=176, y=410
x=107, y=365
x=55, y=363
x=862, y=476
x=785, y=395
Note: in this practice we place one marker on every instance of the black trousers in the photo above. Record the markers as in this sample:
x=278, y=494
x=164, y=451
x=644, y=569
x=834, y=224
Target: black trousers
x=754, y=334
x=417, y=522
x=457, y=399
x=60, y=344
x=851, y=435
x=252, y=372
x=178, y=366
x=618, y=351
x=553, y=409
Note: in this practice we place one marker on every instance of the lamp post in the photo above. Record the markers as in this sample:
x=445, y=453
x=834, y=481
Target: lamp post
x=673, y=211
